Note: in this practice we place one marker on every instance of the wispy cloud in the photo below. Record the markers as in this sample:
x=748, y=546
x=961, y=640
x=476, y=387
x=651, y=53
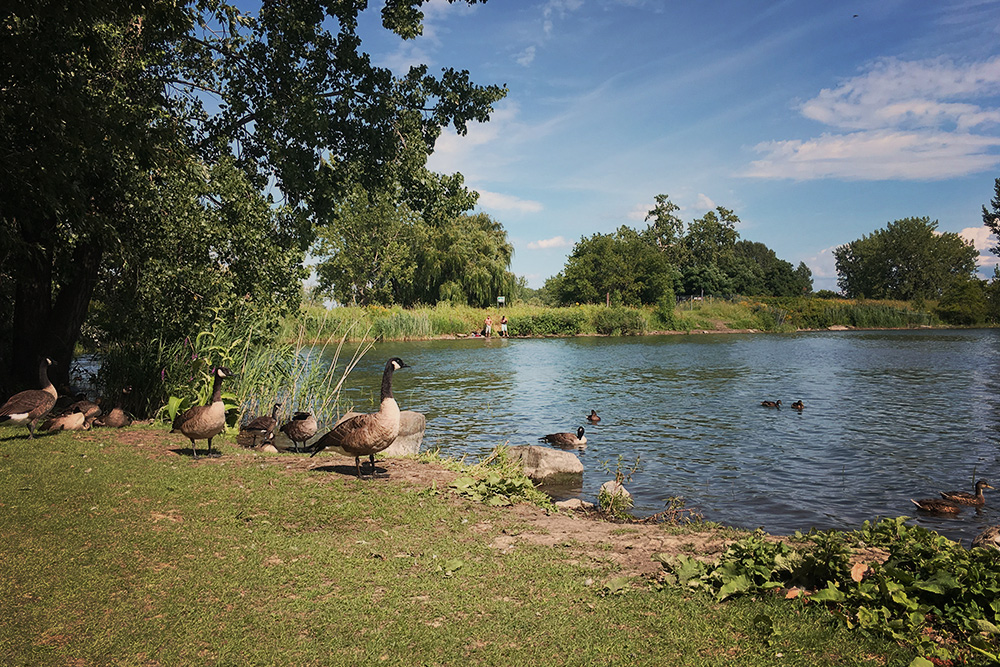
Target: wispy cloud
x=557, y=9
x=526, y=57
x=983, y=240
x=909, y=120
x=502, y=202
x=545, y=244
x=704, y=203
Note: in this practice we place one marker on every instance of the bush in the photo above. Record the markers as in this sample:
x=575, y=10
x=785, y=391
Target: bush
x=619, y=321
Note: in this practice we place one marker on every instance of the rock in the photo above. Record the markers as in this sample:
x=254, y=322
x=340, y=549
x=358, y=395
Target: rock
x=838, y=327
x=610, y=490
x=269, y=448
x=574, y=504
x=545, y=463
x=411, y=433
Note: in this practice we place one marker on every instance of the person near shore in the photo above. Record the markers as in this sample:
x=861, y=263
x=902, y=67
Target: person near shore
x=503, y=327
x=488, y=326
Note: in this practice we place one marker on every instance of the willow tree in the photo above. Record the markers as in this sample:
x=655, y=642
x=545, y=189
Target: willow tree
x=104, y=103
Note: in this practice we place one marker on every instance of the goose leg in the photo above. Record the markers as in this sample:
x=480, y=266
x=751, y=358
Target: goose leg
x=371, y=457
x=194, y=451
x=295, y=444
x=357, y=464
x=210, y=452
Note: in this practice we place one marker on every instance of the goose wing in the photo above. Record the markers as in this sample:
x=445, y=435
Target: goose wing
x=29, y=404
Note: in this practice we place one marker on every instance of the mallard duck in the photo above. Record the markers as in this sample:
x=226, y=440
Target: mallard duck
x=204, y=422
x=263, y=425
x=593, y=417
x=565, y=439
x=988, y=539
x=797, y=405
x=367, y=435
x=937, y=506
x=301, y=427
x=771, y=404
x=965, y=498
x=27, y=407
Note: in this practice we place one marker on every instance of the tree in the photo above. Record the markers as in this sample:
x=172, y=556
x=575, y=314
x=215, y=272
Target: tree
x=991, y=216
x=623, y=265
x=666, y=231
x=105, y=103
x=365, y=249
x=906, y=260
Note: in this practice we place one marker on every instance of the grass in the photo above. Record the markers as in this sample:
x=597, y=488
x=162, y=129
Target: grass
x=119, y=551
x=759, y=313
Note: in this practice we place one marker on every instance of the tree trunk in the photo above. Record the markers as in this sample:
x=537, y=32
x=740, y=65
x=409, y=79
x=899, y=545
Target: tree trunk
x=32, y=305
x=69, y=311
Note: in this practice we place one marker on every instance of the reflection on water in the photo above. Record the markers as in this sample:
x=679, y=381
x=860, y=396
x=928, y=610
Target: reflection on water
x=889, y=416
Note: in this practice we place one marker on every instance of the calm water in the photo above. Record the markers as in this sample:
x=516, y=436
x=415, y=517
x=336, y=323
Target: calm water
x=889, y=416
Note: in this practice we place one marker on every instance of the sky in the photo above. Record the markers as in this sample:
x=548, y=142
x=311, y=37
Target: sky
x=816, y=122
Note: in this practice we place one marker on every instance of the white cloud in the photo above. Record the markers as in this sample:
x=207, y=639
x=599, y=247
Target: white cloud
x=526, y=57
x=557, y=9
x=640, y=211
x=502, y=202
x=983, y=240
x=545, y=244
x=877, y=155
x=908, y=120
x=704, y=203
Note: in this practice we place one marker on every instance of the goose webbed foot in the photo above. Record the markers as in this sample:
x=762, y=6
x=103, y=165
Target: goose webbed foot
x=374, y=473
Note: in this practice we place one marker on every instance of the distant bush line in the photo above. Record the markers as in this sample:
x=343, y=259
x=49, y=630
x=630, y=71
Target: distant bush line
x=772, y=314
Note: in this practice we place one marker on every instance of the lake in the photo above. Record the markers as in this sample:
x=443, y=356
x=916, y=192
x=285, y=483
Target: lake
x=889, y=416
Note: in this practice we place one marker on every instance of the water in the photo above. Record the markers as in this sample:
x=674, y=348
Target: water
x=889, y=416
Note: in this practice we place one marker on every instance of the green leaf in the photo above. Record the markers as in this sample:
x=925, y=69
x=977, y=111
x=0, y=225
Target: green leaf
x=921, y=662
x=829, y=594
x=739, y=584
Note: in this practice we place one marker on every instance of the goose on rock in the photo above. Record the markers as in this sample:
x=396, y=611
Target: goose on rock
x=27, y=407
x=565, y=439
x=300, y=428
x=204, y=422
x=965, y=498
x=263, y=425
x=367, y=435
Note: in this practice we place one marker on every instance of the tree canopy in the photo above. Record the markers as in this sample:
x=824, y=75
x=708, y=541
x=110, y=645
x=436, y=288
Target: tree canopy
x=181, y=151
x=907, y=260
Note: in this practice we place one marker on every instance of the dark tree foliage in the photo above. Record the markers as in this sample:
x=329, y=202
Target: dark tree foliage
x=123, y=124
x=906, y=260
x=991, y=215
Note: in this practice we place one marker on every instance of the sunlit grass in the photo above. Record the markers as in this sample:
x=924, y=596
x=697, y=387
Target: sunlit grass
x=118, y=551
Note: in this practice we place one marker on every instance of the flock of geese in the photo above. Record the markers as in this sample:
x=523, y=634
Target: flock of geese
x=358, y=436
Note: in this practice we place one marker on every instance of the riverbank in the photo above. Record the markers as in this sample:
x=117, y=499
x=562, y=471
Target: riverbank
x=122, y=550
x=318, y=324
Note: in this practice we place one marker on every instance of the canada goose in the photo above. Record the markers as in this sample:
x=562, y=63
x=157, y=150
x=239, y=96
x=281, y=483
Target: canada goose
x=989, y=538
x=771, y=404
x=965, y=498
x=204, y=422
x=797, y=405
x=593, y=417
x=117, y=417
x=90, y=409
x=367, y=434
x=937, y=506
x=565, y=439
x=74, y=420
x=301, y=427
x=27, y=407
x=263, y=425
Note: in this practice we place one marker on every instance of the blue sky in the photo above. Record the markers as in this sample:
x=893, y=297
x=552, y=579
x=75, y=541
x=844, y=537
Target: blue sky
x=816, y=122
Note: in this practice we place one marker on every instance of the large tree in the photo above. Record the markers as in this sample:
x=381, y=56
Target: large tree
x=106, y=103
x=907, y=260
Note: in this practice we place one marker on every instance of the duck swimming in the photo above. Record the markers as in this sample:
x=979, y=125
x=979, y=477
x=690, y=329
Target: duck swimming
x=593, y=417
x=965, y=498
x=771, y=404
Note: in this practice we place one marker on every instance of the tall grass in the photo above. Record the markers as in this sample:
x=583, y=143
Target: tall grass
x=759, y=313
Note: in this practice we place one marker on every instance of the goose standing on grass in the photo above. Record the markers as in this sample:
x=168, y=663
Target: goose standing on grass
x=263, y=425
x=565, y=439
x=593, y=417
x=27, y=407
x=771, y=404
x=965, y=498
x=117, y=417
x=204, y=422
x=301, y=427
x=367, y=435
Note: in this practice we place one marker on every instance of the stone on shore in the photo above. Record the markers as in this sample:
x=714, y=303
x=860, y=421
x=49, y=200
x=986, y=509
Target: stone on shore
x=544, y=463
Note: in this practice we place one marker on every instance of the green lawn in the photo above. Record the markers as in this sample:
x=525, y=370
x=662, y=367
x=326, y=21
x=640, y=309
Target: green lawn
x=118, y=550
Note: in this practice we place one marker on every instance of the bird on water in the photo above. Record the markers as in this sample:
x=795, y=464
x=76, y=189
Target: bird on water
x=565, y=439
x=367, y=435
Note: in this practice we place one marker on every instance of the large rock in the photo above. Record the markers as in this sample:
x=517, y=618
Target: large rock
x=544, y=463
x=411, y=433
